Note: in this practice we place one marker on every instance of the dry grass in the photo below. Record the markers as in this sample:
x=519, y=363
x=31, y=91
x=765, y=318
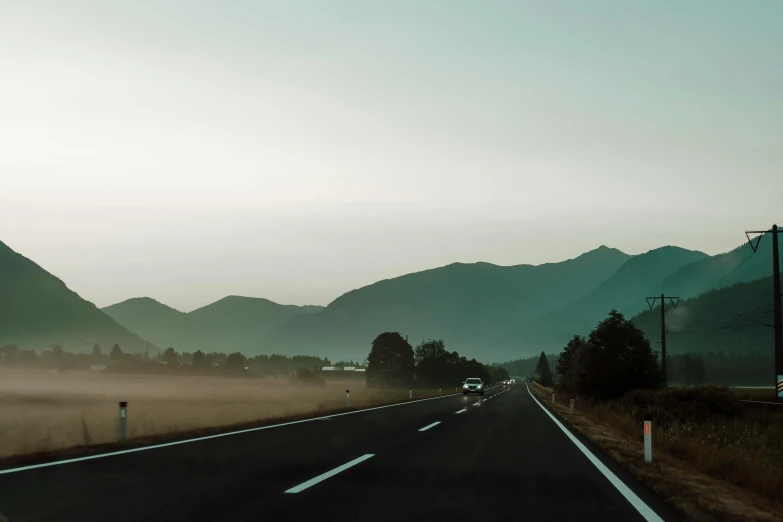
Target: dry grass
x=755, y=394
x=42, y=412
x=709, y=472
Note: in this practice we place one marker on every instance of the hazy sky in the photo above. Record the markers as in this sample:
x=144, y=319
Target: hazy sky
x=187, y=150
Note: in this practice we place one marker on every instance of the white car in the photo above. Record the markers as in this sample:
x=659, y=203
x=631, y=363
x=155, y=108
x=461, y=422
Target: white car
x=473, y=385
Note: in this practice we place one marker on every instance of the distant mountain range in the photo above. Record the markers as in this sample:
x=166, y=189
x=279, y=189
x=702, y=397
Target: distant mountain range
x=464, y=304
x=231, y=324
x=37, y=311
x=482, y=310
x=625, y=291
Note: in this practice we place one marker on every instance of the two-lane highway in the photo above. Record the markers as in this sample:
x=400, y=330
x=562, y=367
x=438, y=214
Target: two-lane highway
x=501, y=457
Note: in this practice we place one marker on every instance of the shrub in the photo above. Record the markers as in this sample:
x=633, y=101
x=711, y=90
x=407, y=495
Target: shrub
x=698, y=404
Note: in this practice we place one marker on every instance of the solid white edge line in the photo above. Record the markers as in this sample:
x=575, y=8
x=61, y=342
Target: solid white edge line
x=215, y=436
x=425, y=428
x=638, y=504
x=328, y=474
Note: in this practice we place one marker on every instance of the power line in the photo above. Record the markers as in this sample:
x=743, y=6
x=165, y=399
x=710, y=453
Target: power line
x=727, y=274
x=720, y=321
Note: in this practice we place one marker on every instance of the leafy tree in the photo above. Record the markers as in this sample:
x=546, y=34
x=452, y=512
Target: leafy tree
x=96, y=352
x=498, y=373
x=199, y=359
x=235, y=360
x=567, y=365
x=57, y=352
x=434, y=365
x=116, y=352
x=429, y=350
x=391, y=361
x=614, y=359
x=170, y=356
x=543, y=370
x=693, y=369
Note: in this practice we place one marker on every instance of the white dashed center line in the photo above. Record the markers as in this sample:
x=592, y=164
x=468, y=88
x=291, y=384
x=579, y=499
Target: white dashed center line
x=320, y=478
x=425, y=428
x=463, y=410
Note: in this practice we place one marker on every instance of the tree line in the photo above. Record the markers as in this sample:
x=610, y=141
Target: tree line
x=394, y=363
x=684, y=369
x=168, y=361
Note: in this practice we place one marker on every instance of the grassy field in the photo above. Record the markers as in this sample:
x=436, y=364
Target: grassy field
x=42, y=411
x=712, y=459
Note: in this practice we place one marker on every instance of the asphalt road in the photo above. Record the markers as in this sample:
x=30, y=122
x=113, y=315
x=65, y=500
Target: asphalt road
x=442, y=459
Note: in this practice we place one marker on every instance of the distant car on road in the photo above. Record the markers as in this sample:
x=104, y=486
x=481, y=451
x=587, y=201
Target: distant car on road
x=473, y=385
x=506, y=383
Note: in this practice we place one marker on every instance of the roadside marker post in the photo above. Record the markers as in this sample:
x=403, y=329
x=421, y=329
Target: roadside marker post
x=410, y=393
x=123, y=421
x=347, y=398
x=553, y=397
x=572, y=406
x=440, y=390
x=648, y=438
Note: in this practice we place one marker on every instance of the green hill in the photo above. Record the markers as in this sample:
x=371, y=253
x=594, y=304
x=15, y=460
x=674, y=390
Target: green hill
x=719, y=271
x=625, y=291
x=461, y=303
x=730, y=320
x=37, y=311
x=231, y=324
x=151, y=319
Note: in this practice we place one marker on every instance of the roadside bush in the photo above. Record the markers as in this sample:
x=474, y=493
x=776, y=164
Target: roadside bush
x=696, y=405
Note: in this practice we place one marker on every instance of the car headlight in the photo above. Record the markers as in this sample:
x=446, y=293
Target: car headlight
x=480, y=385
x=464, y=385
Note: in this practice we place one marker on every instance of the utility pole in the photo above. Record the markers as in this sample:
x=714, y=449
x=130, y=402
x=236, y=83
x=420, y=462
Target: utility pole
x=778, y=323
x=651, y=303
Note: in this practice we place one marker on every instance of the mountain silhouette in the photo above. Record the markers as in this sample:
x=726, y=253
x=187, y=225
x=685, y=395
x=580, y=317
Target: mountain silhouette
x=738, y=265
x=38, y=311
x=231, y=324
x=624, y=291
x=461, y=303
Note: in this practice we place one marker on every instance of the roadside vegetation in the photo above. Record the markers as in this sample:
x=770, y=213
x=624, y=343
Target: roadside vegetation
x=614, y=376
x=394, y=363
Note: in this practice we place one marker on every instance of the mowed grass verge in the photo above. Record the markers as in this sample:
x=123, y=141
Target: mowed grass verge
x=709, y=470
x=41, y=412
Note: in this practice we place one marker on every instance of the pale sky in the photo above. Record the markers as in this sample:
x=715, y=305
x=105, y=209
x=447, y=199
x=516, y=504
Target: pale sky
x=188, y=150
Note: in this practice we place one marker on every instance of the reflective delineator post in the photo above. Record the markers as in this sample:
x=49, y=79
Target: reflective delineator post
x=572, y=405
x=347, y=398
x=440, y=390
x=648, y=438
x=553, y=397
x=410, y=393
x=123, y=421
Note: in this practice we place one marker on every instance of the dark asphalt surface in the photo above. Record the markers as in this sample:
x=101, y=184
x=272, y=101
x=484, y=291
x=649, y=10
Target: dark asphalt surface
x=502, y=460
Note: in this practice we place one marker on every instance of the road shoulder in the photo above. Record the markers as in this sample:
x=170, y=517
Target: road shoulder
x=698, y=496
